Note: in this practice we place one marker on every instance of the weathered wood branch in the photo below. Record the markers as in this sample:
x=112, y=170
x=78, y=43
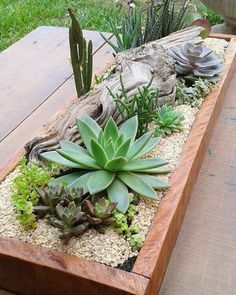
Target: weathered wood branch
x=136, y=66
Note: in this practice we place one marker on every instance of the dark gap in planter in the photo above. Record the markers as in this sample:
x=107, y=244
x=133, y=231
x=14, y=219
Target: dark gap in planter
x=128, y=264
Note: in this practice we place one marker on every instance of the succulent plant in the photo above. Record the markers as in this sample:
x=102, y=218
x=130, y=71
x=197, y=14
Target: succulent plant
x=81, y=57
x=111, y=161
x=129, y=34
x=143, y=104
x=168, y=121
x=194, y=61
x=51, y=196
x=99, y=211
x=192, y=95
x=71, y=220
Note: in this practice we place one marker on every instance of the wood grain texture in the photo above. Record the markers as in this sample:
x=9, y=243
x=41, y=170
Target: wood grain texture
x=31, y=70
x=204, y=258
x=153, y=258
x=28, y=269
x=12, y=147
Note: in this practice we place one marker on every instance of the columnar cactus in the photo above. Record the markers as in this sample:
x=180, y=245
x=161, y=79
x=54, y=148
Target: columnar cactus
x=81, y=57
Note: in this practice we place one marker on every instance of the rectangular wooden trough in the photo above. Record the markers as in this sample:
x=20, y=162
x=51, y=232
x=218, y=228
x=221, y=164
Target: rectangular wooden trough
x=29, y=269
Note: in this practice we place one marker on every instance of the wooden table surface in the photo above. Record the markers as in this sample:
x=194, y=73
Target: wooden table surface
x=34, y=87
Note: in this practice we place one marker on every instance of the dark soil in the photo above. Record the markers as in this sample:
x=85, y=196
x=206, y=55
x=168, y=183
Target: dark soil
x=128, y=264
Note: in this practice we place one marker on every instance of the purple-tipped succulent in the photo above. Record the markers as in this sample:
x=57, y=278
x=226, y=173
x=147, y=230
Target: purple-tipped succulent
x=194, y=61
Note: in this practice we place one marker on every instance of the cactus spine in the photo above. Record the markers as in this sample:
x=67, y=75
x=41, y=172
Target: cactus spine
x=81, y=57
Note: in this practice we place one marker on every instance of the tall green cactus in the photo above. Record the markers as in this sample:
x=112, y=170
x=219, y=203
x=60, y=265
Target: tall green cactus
x=81, y=56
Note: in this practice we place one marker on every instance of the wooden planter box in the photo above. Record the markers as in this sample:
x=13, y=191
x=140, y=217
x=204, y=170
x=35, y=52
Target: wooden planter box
x=29, y=269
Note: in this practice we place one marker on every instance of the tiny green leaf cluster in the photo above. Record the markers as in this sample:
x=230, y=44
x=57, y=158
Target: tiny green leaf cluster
x=24, y=194
x=194, y=94
x=129, y=34
x=122, y=225
x=143, y=105
x=168, y=121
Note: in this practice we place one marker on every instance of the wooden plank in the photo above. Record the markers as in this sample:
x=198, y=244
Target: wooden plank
x=32, y=69
x=153, y=258
x=204, y=258
x=12, y=147
x=42, y=271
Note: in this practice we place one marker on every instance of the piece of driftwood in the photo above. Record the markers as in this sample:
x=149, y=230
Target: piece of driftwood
x=137, y=66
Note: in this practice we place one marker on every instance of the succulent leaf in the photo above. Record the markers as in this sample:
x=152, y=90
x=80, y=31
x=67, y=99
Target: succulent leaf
x=129, y=128
x=98, y=153
x=68, y=145
x=66, y=179
x=137, y=185
x=118, y=193
x=55, y=157
x=139, y=144
x=153, y=181
x=83, y=160
x=194, y=61
x=99, y=181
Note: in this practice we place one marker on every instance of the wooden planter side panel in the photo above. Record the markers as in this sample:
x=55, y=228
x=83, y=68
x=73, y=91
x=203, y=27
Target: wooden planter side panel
x=154, y=256
x=28, y=269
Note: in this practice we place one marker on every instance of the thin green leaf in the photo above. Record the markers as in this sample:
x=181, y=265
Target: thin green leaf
x=153, y=181
x=139, y=144
x=148, y=147
x=159, y=170
x=123, y=149
x=116, y=164
x=68, y=145
x=82, y=182
x=99, y=181
x=137, y=165
x=98, y=153
x=93, y=125
x=55, y=157
x=85, y=161
x=86, y=133
x=110, y=130
x=137, y=185
x=129, y=128
x=66, y=179
x=118, y=193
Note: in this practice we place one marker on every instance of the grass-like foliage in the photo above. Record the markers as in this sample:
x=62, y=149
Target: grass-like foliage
x=111, y=161
x=129, y=34
x=81, y=56
x=24, y=194
x=164, y=18
x=160, y=19
x=192, y=94
x=143, y=104
x=168, y=121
